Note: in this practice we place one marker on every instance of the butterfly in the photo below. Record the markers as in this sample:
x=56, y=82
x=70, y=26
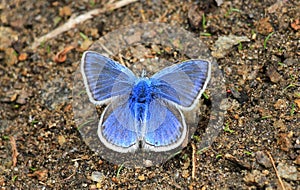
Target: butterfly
x=143, y=113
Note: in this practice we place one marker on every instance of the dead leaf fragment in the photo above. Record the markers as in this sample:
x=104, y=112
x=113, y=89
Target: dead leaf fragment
x=297, y=161
x=263, y=26
x=41, y=175
x=284, y=142
x=168, y=49
x=10, y=56
x=62, y=55
x=195, y=16
x=55, y=3
x=141, y=177
x=296, y=24
x=65, y=11
x=13, y=97
x=22, y=56
x=86, y=44
x=297, y=101
x=238, y=162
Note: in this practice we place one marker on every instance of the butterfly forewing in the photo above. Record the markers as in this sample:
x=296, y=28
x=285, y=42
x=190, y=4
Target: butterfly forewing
x=183, y=83
x=105, y=78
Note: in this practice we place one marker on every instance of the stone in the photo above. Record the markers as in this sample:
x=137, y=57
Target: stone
x=263, y=159
x=287, y=171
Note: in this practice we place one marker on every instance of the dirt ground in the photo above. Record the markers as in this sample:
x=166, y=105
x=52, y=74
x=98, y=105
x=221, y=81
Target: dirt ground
x=258, y=148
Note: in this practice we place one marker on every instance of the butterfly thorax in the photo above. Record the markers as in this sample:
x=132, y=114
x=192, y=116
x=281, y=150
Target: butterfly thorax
x=140, y=98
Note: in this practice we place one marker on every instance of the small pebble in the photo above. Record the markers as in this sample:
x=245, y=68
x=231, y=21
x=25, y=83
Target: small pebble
x=141, y=177
x=297, y=161
x=23, y=97
x=195, y=16
x=97, y=176
x=280, y=104
x=185, y=173
x=278, y=124
x=272, y=73
x=263, y=159
x=61, y=140
x=256, y=178
x=224, y=43
x=287, y=171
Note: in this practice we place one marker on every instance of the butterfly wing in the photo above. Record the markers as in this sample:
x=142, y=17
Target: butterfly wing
x=105, y=78
x=166, y=128
x=182, y=83
x=117, y=128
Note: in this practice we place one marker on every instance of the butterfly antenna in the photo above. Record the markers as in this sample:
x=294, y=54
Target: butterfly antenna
x=144, y=73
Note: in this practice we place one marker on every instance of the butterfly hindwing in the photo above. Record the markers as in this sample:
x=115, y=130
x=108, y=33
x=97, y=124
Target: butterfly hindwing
x=117, y=128
x=105, y=78
x=183, y=83
x=169, y=132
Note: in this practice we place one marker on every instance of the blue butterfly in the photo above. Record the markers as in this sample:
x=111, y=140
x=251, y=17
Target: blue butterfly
x=143, y=113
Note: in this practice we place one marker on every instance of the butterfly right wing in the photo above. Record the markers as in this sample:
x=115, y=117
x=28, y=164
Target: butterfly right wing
x=183, y=83
x=105, y=78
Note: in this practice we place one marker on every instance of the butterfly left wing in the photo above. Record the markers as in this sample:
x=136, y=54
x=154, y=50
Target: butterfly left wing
x=105, y=78
x=182, y=83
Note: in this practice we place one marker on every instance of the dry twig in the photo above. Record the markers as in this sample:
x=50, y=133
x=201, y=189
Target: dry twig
x=194, y=160
x=73, y=21
x=62, y=55
x=14, y=150
x=273, y=164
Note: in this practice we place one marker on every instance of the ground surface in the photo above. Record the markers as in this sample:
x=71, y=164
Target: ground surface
x=262, y=82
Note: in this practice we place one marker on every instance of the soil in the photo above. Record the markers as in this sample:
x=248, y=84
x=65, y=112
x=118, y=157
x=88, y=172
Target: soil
x=258, y=147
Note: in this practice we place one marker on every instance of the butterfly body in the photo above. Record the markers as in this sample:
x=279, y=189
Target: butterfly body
x=140, y=98
x=143, y=113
